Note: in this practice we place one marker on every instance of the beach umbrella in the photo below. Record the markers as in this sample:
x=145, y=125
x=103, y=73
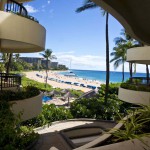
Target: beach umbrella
x=64, y=91
x=67, y=96
x=54, y=92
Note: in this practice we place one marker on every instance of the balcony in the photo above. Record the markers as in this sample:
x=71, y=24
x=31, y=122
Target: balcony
x=140, y=55
x=30, y=107
x=20, y=33
x=9, y=81
x=137, y=91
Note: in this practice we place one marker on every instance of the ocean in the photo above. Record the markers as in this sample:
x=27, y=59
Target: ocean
x=101, y=75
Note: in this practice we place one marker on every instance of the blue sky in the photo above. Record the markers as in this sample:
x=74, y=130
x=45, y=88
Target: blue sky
x=75, y=37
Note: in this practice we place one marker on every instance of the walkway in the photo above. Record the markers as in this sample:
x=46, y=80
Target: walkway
x=51, y=139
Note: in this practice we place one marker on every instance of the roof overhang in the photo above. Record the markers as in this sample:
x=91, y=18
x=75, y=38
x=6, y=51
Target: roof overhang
x=134, y=15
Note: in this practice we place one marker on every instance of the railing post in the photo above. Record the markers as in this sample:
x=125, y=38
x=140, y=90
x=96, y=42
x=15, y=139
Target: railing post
x=1, y=82
x=130, y=65
x=147, y=74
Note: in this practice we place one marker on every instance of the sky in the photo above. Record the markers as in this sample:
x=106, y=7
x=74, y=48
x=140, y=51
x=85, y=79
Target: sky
x=76, y=38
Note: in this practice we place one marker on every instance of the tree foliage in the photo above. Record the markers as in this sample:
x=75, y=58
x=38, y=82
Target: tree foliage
x=47, y=54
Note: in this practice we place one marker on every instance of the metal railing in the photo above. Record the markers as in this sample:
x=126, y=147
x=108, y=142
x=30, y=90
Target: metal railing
x=9, y=80
x=15, y=7
x=140, y=81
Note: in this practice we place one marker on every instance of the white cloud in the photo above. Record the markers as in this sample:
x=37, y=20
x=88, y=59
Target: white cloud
x=48, y=1
x=90, y=62
x=30, y=9
x=81, y=62
x=86, y=62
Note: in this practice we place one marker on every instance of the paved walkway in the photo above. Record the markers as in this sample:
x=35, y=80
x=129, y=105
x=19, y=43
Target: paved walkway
x=50, y=139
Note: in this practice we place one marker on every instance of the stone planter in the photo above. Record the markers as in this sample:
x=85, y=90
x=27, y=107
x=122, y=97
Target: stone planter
x=135, y=97
x=126, y=145
x=30, y=107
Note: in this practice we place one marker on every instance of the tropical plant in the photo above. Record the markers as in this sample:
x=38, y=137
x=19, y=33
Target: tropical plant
x=95, y=107
x=47, y=54
x=120, y=50
x=26, y=92
x=88, y=4
x=135, y=87
x=135, y=126
x=7, y=60
x=2, y=67
x=49, y=114
x=16, y=57
x=119, y=55
x=12, y=135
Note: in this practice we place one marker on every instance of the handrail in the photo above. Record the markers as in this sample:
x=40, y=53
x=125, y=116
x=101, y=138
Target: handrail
x=15, y=7
x=9, y=80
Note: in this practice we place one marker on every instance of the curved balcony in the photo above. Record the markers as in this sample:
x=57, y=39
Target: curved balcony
x=139, y=55
x=130, y=14
x=135, y=97
x=30, y=107
x=20, y=35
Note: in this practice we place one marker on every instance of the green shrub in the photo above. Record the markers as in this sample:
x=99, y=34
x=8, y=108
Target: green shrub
x=49, y=114
x=96, y=107
x=113, y=89
x=12, y=136
x=26, y=92
x=135, y=87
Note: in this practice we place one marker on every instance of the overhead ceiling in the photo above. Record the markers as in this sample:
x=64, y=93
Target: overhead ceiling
x=134, y=15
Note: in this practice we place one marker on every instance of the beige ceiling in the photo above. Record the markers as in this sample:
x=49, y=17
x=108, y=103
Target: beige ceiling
x=134, y=15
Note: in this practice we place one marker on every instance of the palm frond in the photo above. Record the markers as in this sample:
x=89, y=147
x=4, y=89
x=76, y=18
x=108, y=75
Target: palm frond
x=117, y=63
x=118, y=40
x=87, y=5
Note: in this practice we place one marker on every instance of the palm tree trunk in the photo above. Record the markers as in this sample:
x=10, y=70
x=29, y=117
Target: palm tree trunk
x=107, y=60
x=147, y=73
x=46, y=73
x=130, y=67
x=123, y=72
x=9, y=63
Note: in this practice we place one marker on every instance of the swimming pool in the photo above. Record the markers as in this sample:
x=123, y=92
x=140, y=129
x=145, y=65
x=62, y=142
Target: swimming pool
x=46, y=98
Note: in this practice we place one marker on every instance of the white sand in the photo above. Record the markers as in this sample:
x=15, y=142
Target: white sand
x=55, y=75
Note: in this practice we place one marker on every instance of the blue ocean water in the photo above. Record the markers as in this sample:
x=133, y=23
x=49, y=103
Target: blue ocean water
x=101, y=75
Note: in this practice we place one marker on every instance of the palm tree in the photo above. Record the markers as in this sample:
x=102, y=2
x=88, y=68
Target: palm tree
x=47, y=54
x=17, y=56
x=122, y=44
x=88, y=4
x=119, y=55
x=7, y=58
x=9, y=62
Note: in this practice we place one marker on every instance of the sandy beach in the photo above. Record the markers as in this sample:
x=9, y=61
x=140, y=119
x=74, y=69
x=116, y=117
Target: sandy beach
x=55, y=84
